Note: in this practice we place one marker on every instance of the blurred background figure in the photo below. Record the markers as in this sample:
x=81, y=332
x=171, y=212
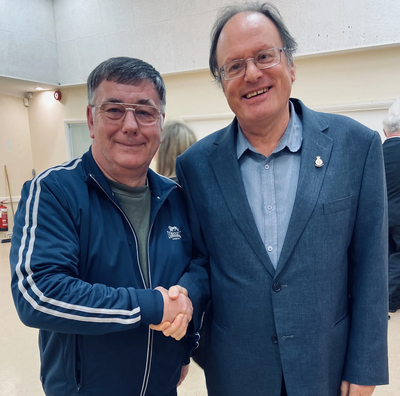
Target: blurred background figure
x=391, y=153
x=176, y=138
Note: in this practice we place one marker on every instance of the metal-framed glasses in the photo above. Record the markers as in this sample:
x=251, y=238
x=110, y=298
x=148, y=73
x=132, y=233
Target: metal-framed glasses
x=115, y=112
x=263, y=60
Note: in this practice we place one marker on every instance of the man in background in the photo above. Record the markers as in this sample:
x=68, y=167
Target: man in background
x=97, y=241
x=288, y=215
x=391, y=153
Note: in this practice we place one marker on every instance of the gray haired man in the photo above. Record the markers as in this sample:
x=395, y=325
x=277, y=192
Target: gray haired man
x=92, y=256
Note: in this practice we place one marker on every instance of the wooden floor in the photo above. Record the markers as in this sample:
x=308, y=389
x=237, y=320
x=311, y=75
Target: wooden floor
x=19, y=357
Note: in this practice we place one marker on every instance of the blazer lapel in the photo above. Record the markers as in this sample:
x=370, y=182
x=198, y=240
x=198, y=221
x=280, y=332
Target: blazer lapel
x=315, y=144
x=226, y=168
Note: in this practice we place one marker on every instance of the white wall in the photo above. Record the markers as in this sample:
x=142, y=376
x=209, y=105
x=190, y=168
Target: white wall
x=331, y=25
x=61, y=41
x=15, y=150
x=28, y=47
x=173, y=35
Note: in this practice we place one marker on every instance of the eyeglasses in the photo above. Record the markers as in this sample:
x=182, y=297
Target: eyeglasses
x=115, y=112
x=263, y=60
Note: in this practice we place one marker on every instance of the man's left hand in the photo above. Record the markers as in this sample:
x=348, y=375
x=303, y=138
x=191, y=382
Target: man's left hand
x=348, y=389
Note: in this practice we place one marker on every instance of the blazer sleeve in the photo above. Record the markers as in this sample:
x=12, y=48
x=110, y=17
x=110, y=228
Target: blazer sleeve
x=196, y=279
x=367, y=358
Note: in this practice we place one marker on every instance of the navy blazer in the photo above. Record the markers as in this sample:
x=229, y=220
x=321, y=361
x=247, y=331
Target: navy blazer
x=321, y=316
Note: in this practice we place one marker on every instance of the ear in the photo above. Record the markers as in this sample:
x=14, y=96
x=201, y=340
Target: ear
x=292, y=71
x=90, y=121
x=162, y=118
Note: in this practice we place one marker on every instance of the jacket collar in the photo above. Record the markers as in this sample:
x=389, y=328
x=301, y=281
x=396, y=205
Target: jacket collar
x=160, y=186
x=223, y=160
x=316, y=143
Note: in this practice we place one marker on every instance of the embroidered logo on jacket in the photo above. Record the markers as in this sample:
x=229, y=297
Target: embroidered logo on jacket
x=174, y=233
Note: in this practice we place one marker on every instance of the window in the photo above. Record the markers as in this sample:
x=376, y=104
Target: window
x=79, y=139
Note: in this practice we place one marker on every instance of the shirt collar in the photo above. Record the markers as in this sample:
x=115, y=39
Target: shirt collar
x=292, y=138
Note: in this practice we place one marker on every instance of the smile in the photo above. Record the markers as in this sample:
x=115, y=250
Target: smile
x=130, y=145
x=259, y=92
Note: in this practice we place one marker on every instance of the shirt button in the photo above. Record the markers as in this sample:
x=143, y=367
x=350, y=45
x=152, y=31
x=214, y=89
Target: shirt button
x=274, y=339
x=276, y=287
x=266, y=166
x=270, y=248
x=269, y=207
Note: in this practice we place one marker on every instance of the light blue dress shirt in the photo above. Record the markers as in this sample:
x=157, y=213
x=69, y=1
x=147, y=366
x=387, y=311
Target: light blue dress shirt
x=271, y=183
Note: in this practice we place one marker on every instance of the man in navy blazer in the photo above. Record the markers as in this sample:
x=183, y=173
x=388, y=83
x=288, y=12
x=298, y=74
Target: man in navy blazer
x=391, y=153
x=289, y=219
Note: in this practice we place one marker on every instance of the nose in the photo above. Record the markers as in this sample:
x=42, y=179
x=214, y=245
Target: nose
x=252, y=72
x=129, y=123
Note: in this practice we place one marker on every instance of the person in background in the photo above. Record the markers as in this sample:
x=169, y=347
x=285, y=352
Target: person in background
x=288, y=214
x=176, y=138
x=391, y=154
x=96, y=244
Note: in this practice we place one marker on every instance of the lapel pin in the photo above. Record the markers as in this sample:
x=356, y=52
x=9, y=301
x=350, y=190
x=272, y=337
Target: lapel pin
x=319, y=162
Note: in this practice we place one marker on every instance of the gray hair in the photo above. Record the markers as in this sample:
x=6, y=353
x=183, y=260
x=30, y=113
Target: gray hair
x=267, y=9
x=124, y=70
x=176, y=138
x=391, y=123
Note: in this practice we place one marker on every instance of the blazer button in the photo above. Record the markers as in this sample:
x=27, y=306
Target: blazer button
x=276, y=287
x=274, y=339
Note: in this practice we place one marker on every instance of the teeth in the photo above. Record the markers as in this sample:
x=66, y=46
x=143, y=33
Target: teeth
x=260, y=91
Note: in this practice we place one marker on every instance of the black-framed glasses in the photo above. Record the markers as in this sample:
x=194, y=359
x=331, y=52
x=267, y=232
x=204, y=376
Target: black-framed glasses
x=115, y=112
x=263, y=60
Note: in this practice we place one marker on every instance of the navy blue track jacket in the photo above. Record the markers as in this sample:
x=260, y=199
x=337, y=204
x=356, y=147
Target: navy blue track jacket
x=76, y=277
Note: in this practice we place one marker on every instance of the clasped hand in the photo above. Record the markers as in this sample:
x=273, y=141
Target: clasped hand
x=348, y=389
x=178, y=312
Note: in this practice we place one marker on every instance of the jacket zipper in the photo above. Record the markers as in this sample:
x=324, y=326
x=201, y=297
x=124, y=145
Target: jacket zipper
x=130, y=226
x=78, y=365
x=150, y=332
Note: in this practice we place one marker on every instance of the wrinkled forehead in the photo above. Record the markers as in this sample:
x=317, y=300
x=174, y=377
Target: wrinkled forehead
x=142, y=92
x=246, y=30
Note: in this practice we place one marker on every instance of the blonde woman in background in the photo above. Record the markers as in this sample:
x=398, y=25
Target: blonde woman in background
x=176, y=138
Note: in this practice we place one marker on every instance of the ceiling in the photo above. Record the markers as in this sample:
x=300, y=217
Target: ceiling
x=15, y=87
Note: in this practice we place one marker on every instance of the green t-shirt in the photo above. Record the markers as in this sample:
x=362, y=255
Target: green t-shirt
x=136, y=203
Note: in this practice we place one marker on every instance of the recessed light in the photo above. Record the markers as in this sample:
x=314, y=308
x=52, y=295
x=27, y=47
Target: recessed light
x=39, y=89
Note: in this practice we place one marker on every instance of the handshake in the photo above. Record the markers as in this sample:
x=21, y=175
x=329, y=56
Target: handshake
x=178, y=312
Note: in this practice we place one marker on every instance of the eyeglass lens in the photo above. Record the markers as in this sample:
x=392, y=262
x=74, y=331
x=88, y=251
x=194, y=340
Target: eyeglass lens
x=263, y=60
x=145, y=115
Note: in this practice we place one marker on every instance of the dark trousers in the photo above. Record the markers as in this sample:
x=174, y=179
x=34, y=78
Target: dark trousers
x=394, y=267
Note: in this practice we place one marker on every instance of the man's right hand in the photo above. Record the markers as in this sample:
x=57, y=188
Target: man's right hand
x=178, y=311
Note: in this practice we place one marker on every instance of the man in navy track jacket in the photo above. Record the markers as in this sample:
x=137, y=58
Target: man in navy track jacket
x=96, y=244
